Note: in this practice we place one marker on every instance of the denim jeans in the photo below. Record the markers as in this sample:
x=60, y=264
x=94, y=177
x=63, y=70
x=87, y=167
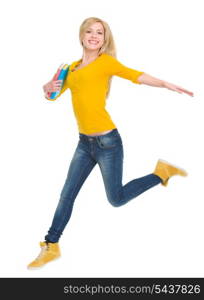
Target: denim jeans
x=107, y=151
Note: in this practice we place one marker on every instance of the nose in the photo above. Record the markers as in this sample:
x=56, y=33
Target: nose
x=93, y=34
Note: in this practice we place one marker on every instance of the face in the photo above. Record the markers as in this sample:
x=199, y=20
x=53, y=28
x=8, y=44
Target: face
x=94, y=36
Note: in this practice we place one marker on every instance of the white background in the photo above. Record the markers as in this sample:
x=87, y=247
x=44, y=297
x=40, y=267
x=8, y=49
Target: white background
x=158, y=234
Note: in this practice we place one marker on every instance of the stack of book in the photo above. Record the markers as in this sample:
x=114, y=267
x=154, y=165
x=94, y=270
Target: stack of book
x=61, y=74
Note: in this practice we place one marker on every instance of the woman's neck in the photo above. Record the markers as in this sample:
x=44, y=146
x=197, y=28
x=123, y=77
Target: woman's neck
x=88, y=56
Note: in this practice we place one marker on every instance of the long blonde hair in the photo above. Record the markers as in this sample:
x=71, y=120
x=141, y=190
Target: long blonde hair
x=108, y=45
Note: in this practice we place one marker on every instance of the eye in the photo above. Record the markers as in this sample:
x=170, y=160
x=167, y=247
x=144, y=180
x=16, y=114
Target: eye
x=99, y=32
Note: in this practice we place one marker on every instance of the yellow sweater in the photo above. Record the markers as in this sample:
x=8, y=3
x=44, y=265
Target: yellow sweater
x=88, y=87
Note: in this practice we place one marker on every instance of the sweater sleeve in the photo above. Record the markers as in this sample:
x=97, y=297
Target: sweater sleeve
x=114, y=67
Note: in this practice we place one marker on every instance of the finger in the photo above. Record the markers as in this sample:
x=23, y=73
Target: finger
x=189, y=93
x=186, y=91
x=183, y=90
x=58, y=84
x=54, y=76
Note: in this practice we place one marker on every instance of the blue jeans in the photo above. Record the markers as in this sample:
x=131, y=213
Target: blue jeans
x=107, y=151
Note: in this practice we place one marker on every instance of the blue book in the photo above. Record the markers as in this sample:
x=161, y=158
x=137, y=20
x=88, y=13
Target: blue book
x=62, y=76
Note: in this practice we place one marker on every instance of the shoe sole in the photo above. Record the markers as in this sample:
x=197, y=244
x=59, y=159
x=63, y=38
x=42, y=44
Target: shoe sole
x=40, y=267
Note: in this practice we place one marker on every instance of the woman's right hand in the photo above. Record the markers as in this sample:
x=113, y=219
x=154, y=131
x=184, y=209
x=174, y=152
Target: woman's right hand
x=52, y=86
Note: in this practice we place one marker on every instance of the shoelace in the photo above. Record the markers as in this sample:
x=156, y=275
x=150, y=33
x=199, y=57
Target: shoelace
x=44, y=249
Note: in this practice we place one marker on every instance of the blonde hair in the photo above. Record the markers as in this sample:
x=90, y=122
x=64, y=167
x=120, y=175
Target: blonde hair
x=108, y=45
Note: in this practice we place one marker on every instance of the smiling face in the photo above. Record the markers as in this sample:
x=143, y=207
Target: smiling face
x=94, y=36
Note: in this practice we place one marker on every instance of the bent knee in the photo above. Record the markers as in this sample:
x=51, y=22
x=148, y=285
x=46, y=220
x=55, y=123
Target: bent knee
x=115, y=203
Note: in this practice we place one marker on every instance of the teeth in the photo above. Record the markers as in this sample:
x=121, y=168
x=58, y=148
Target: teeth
x=93, y=42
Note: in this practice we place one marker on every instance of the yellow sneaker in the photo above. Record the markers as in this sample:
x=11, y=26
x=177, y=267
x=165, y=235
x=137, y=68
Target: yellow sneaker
x=165, y=170
x=49, y=252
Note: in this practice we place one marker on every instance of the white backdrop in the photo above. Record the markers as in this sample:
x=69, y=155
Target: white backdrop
x=158, y=234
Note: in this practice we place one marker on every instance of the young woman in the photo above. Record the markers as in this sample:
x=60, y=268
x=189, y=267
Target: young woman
x=99, y=142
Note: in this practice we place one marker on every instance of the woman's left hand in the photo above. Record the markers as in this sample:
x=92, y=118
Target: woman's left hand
x=177, y=88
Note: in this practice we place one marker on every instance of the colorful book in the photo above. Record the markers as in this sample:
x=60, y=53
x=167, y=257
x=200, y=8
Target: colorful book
x=61, y=74
x=56, y=76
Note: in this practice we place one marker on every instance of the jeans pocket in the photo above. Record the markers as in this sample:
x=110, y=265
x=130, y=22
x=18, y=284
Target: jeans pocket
x=108, y=142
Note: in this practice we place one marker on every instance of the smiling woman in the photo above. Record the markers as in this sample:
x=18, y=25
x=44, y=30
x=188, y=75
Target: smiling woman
x=93, y=39
x=99, y=139
x=94, y=35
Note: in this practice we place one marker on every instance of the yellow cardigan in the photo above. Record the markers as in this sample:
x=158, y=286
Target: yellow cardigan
x=88, y=87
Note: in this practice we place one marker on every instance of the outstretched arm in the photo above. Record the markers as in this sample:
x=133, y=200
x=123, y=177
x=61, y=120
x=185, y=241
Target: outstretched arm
x=150, y=80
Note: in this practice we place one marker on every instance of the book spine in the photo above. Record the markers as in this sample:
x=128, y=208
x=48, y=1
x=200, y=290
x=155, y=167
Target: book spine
x=61, y=76
x=55, y=78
